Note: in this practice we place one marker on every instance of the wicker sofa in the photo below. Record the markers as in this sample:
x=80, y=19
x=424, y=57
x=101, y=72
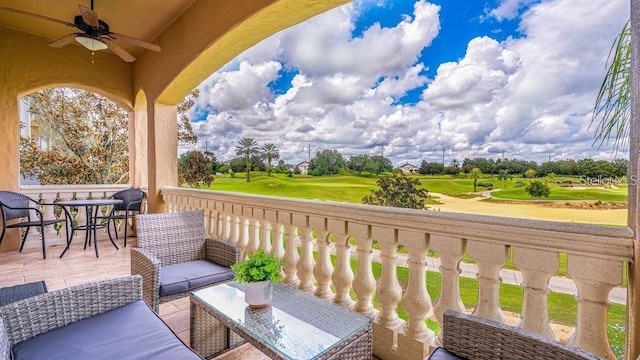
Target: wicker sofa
x=474, y=338
x=101, y=320
x=174, y=258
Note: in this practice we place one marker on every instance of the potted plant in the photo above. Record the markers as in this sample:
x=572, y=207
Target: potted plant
x=258, y=272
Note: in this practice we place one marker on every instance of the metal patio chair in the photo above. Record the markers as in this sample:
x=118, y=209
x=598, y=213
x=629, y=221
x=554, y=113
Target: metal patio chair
x=132, y=200
x=15, y=206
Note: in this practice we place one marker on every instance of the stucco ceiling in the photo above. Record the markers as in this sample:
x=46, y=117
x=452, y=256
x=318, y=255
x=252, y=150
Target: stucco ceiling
x=141, y=19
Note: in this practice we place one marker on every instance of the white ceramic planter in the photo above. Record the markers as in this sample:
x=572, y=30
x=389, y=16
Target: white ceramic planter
x=258, y=294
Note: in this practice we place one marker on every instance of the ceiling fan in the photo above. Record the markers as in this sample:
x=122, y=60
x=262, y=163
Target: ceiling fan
x=95, y=34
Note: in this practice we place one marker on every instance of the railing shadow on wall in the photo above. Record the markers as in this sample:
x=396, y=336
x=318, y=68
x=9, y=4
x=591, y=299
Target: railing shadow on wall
x=296, y=229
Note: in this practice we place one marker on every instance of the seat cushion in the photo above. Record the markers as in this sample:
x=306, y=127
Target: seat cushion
x=442, y=354
x=190, y=275
x=133, y=332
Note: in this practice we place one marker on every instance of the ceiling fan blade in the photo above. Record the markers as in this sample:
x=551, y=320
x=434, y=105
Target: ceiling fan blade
x=122, y=53
x=63, y=41
x=89, y=16
x=137, y=42
x=37, y=16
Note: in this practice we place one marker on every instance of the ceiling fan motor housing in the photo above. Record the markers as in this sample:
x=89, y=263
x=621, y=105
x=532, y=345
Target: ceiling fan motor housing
x=101, y=30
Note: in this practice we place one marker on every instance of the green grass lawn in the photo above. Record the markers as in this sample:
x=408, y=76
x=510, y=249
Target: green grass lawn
x=352, y=188
x=567, y=193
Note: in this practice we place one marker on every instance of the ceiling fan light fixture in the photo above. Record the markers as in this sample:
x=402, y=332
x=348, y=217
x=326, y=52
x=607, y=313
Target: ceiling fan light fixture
x=91, y=43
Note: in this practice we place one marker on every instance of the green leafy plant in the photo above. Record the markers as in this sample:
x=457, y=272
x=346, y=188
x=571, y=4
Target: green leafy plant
x=258, y=267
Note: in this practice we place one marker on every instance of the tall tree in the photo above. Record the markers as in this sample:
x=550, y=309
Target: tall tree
x=612, y=110
x=247, y=147
x=398, y=191
x=78, y=137
x=270, y=153
x=326, y=162
x=504, y=176
x=475, y=174
x=195, y=167
x=185, y=131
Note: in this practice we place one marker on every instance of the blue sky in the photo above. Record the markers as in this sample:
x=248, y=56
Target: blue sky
x=407, y=79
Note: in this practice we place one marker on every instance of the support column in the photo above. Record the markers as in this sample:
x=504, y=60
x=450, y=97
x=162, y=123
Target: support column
x=162, y=153
x=632, y=349
x=10, y=155
x=138, y=143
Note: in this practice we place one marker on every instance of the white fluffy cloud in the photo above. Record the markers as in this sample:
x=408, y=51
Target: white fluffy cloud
x=527, y=96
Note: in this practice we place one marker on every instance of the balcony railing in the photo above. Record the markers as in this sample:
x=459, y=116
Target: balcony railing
x=295, y=229
x=53, y=193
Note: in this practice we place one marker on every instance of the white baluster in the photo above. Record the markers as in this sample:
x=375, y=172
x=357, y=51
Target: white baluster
x=277, y=247
x=364, y=283
x=416, y=299
x=306, y=262
x=243, y=235
x=235, y=229
x=265, y=239
x=323, y=269
x=450, y=249
x=225, y=221
x=537, y=267
x=490, y=258
x=254, y=235
x=389, y=291
x=342, y=276
x=291, y=256
x=594, y=278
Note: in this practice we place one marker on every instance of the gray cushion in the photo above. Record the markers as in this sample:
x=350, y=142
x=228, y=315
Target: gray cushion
x=442, y=354
x=190, y=275
x=132, y=332
x=22, y=291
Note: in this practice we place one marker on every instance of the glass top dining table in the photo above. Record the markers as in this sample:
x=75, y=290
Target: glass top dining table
x=92, y=208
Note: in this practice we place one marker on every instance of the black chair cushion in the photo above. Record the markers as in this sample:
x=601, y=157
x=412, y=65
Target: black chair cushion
x=190, y=275
x=442, y=354
x=132, y=332
x=18, y=292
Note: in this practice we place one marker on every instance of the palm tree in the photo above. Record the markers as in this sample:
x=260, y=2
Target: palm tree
x=504, y=176
x=247, y=147
x=270, y=153
x=613, y=104
x=475, y=174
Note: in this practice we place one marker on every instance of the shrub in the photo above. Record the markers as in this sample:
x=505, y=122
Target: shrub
x=518, y=184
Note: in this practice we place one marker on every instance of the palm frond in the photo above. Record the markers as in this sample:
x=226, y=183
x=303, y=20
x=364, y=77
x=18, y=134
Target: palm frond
x=612, y=110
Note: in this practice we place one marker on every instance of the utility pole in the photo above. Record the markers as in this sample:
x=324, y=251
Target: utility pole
x=206, y=145
x=442, y=155
x=309, y=154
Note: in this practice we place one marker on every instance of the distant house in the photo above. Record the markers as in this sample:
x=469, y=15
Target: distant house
x=408, y=168
x=304, y=167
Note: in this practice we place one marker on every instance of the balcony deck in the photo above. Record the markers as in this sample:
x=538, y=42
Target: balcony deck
x=80, y=266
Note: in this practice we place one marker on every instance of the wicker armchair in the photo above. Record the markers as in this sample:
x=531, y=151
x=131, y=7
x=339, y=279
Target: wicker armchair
x=174, y=258
x=471, y=337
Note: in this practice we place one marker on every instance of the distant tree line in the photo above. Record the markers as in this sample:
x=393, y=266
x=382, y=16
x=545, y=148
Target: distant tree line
x=514, y=167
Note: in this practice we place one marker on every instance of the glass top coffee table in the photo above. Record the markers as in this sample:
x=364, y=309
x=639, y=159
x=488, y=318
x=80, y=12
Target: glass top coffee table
x=296, y=325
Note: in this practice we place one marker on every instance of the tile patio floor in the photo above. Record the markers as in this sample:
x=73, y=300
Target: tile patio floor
x=80, y=266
